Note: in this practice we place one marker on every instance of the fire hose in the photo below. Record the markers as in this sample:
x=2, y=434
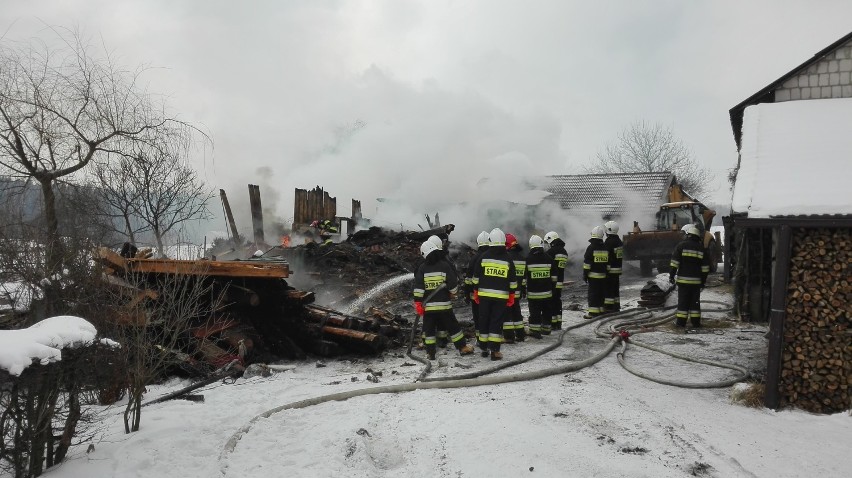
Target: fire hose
x=619, y=334
x=231, y=444
x=623, y=330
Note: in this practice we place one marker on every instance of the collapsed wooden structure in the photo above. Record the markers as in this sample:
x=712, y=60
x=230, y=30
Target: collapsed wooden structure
x=258, y=316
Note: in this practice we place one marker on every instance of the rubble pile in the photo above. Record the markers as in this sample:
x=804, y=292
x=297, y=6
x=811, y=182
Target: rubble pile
x=338, y=274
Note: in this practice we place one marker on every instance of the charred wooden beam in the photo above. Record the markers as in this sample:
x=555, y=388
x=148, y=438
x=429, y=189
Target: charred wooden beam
x=242, y=295
x=235, y=236
x=256, y=213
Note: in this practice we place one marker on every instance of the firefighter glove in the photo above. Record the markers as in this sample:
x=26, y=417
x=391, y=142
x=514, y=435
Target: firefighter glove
x=511, y=300
x=476, y=295
x=418, y=307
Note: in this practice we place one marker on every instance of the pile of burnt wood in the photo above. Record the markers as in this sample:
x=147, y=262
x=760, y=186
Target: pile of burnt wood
x=257, y=317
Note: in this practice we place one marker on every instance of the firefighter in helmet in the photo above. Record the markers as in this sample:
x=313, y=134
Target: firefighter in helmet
x=615, y=247
x=495, y=283
x=691, y=264
x=560, y=261
x=595, y=264
x=483, y=244
x=538, y=281
x=513, y=328
x=435, y=274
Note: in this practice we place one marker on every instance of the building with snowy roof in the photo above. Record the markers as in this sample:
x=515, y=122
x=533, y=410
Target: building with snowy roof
x=788, y=238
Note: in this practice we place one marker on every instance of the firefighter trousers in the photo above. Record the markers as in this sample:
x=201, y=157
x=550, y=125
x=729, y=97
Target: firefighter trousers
x=492, y=314
x=443, y=320
x=597, y=289
x=612, y=299
x=539, y=314
x=688, y=305
x=513, y=327
x=555, y=310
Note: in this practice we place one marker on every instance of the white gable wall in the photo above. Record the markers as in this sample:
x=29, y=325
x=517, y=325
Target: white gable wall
x=830, y=77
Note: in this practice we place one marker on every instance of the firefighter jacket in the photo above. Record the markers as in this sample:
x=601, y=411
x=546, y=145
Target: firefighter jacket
x=494, y=276
x=539, y=275
x=516, y=253
x=432, y=273
x=595, y=260
x=616, y=253
x=560, y=259
x=471, y=268
x=690, y=262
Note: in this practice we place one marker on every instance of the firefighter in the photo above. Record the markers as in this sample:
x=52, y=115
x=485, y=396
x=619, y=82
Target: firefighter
x=595, y=263
x=560, y=260
x=441, y=244
x=437, y=312
x=691, y=264
x=612, y=299
x=495, y=283
x=482, y=243
x=538, y=281
x=513, y=328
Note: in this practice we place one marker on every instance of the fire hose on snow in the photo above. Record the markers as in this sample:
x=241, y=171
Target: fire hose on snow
x=617, y=333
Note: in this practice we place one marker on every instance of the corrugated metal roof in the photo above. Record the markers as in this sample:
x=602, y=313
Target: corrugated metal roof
x=609, y=194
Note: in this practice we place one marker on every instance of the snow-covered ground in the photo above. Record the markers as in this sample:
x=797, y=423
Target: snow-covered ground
x=598, y=421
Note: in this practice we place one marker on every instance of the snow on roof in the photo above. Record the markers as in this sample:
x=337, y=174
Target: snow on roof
x=43, y=341
x=793, y=159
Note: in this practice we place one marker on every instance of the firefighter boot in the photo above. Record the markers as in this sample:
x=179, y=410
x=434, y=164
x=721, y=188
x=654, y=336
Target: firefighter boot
x=496, y=355
x=465, y=350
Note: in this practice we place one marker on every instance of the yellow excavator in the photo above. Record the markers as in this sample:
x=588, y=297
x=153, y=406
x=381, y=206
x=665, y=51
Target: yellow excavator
x=654, y=248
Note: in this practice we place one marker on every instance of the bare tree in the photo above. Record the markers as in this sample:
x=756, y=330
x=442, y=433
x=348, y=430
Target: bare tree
x=154, y=319
x=168, y=192
x=648, y=148
x=64, y=108
x=117, y=198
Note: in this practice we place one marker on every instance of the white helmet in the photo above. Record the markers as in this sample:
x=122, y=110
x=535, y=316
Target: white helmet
x=597, y=232
x=550, y=237
x=428, y=247
x=437, y=241
x=482, y=239
x=535, y=241
x=496, y=237
x=691, y=229
x=611, y=227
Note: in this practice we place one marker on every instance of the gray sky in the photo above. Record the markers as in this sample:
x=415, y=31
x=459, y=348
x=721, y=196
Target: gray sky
x=419, y=99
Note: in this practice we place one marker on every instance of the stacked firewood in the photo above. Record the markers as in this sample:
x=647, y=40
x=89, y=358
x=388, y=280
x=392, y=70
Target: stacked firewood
x=817, y=357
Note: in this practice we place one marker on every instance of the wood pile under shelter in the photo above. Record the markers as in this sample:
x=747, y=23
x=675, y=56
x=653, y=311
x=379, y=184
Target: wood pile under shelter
x=816, y=370
x=260, y=317
x=789, y=236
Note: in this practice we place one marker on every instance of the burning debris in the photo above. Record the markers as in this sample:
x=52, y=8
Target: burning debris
x=342, y=273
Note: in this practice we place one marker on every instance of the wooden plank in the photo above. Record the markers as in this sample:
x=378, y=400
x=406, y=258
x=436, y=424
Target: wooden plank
x=777, y=316
x=210, y=268
x=111, y=258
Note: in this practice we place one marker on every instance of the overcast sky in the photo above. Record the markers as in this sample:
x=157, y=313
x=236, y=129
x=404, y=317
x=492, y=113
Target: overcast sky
x=419, y=99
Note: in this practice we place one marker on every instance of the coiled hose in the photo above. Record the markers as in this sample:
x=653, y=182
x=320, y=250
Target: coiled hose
x=662, y=319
